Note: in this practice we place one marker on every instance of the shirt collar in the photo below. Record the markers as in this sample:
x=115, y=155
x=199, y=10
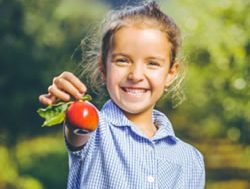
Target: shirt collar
x=165, y=128
x=115, y=116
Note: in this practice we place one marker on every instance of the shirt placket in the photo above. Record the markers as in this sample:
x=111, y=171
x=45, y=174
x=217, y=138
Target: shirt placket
x=151, y=164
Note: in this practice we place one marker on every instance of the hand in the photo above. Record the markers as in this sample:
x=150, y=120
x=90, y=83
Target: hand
x=62, y=88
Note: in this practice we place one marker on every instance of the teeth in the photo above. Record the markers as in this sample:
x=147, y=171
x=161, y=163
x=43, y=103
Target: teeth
x=136, y=92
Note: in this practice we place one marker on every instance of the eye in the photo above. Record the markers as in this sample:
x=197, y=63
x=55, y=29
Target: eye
x=121, y=60
x=153, y=63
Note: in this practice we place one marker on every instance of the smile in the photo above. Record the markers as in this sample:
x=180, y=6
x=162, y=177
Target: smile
x=134, y=91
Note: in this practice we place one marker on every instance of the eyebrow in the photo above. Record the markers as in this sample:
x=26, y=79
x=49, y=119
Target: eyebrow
x=156, y=58
x=119, y=54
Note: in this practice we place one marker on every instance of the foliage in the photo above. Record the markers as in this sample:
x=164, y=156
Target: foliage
x=32, y=161
x=38, y=39
x=216, y=49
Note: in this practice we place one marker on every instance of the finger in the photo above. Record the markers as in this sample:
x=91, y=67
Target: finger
x=68, y=87
x=75, y=81
x=58, y=93
x=51, y=97
x=45, y=100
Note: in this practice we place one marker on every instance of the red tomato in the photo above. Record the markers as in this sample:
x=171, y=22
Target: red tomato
x=82, y=115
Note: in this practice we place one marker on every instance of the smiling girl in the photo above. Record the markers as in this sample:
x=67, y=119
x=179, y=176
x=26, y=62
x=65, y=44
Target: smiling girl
x=134, y=145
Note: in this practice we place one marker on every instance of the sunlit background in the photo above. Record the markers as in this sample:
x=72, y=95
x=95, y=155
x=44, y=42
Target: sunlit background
x=39, y=39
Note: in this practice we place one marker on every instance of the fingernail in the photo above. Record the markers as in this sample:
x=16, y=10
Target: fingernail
x=83, y=89
x=68, y=97
x=79, y=95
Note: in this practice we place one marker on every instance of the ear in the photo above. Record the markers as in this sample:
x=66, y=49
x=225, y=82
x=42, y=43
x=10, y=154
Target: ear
x=171, y=74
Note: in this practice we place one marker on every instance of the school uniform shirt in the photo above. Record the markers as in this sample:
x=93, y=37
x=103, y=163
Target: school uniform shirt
x=120, y=156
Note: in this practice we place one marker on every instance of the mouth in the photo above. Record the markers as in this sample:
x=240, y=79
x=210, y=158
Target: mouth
x=134, y=91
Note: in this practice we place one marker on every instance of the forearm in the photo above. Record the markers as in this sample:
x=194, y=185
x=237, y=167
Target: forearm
x=75, y=140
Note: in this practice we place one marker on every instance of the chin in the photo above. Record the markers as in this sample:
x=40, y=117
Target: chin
x=133, y=109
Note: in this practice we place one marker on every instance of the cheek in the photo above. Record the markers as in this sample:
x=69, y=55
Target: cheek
x=115, y=73
x=110, y=85
x=113, y=77
x=159, y=80
x=109, y=80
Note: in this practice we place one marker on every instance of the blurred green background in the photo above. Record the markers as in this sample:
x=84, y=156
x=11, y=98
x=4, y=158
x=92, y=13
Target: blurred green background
x=40, y=38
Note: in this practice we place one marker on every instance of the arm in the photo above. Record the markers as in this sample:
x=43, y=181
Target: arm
x=198, y=173
x=76, y=141
x=64, y=87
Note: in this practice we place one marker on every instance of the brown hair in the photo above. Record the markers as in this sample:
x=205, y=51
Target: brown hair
x=148, y=14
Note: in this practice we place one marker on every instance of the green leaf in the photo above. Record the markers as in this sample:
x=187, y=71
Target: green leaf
x=54, y=120
x=53, y=114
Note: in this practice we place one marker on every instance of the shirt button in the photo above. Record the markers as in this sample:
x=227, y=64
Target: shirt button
x=151, y=179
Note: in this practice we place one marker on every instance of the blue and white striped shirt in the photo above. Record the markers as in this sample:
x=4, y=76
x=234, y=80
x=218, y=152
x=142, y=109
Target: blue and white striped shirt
x=120, y=156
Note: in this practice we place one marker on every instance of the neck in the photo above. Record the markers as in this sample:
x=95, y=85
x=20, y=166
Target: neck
x=144, y=122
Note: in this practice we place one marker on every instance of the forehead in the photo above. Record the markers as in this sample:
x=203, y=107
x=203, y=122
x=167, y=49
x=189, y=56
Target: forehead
x=142, y=23
x=142, y=40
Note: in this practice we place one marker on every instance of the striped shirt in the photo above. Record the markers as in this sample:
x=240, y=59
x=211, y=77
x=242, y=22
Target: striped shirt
x=119, y=156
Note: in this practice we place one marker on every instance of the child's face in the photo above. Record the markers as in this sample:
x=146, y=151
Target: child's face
x=138, y=69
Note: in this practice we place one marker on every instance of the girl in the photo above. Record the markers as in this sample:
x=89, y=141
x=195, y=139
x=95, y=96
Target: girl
x=134, y=146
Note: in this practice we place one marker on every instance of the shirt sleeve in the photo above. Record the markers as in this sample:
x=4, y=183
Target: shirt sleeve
x=197, y=180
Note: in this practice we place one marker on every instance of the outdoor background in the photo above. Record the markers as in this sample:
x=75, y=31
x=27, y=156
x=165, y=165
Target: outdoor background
x=40, y=38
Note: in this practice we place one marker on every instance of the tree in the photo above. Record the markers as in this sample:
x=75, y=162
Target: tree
x=216, y=48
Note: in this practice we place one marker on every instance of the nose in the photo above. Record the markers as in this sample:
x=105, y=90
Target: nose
x=136, y=72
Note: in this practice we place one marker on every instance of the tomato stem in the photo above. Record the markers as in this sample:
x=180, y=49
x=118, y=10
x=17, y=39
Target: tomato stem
x=86, y=97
